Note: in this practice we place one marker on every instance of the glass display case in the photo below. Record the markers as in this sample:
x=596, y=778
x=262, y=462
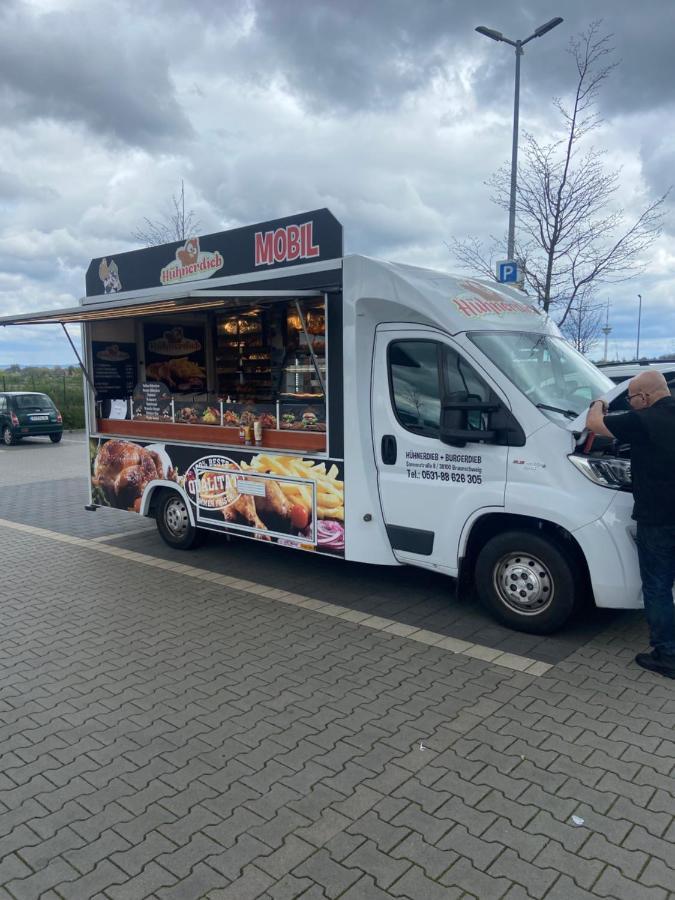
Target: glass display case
x=304, y=370
x=301, y=378
x=299, y=415
x=244, y=356
x=263, y=369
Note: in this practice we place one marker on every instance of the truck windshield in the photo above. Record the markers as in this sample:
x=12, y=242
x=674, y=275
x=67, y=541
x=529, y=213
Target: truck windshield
x=545, y=368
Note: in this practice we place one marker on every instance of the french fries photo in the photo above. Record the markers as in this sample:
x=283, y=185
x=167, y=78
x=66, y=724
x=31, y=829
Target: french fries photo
x=329, y=490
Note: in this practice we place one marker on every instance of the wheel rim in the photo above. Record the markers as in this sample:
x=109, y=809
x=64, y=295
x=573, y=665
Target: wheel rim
x=524, y=584
x=7, y=435
x=176, y=517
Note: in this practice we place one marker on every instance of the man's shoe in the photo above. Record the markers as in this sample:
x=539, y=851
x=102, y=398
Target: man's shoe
x=654, y=662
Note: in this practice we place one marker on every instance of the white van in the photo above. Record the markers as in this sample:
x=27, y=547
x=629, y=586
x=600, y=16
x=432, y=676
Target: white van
x=260, y=383
x=619, y=372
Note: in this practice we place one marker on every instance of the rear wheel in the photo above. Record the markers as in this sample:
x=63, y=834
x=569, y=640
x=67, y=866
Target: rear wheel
x=55, y=438
x=173, y=521
x=7, y=436
x=527, y=582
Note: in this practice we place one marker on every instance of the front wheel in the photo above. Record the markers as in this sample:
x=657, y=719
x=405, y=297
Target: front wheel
x=527, y=582
x=173, y=522
x=7, y=436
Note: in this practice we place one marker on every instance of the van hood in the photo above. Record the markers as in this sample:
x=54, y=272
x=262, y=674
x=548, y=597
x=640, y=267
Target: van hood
x=578, y=426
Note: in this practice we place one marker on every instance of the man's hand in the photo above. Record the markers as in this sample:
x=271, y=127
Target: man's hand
x=595, y=418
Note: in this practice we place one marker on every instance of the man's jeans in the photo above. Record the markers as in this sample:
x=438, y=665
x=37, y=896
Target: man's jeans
x=656, y=553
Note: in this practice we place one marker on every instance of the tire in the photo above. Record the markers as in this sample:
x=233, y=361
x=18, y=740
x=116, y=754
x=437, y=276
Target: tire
x=55, y=438
x=527, y=582
x=173, y=522
x=7, y=437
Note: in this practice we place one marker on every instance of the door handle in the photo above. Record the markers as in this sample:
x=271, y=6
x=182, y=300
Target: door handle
x=388, y=449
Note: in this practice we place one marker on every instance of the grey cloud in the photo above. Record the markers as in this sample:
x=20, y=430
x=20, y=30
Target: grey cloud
x=111, y=67
x=44, y=271
x=200, y=86
x=358, y=56
x=337, y=56
x=353, y=55
x=99, y=70
x=14, y=187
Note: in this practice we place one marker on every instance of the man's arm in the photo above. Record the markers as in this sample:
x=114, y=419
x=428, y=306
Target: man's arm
x=595, y=420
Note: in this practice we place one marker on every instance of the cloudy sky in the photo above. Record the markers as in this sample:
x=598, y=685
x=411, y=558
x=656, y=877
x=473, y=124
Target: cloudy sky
x=391, y=114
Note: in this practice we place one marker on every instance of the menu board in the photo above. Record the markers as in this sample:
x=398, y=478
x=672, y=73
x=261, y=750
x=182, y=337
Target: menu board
x=114, y=369
x=175, y=355
x=152, y=402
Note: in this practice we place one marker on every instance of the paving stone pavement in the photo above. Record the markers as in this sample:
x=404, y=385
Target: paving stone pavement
x=37, y=459
x=58, y=505
x=405, y=595
x=165, y=737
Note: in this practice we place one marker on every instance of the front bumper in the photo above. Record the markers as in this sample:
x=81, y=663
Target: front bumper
x=608, y=544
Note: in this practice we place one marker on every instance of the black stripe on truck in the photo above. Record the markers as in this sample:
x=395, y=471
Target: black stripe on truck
x=411, y=540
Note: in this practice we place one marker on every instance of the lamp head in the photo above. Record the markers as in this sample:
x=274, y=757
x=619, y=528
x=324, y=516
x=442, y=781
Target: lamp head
x=490, y=32
x=547, y=26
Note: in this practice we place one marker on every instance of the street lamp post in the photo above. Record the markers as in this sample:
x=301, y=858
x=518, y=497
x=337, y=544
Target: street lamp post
x=607, y=330
x=498, y=36
x=637, y=349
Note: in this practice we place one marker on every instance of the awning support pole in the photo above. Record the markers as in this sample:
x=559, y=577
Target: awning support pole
x=311, y=349
x=84, y=371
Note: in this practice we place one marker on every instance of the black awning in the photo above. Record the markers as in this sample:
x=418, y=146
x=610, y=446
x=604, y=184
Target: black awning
x=134, y=308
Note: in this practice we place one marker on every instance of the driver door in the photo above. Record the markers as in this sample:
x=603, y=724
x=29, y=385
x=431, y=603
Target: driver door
x=429, y=490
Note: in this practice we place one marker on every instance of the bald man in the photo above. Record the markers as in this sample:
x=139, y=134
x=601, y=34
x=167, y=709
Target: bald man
x=649, y=428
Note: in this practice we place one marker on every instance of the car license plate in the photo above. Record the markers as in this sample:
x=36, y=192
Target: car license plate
x=39, y=418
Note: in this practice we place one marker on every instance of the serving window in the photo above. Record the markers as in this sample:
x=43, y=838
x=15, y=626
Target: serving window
x=248, y=372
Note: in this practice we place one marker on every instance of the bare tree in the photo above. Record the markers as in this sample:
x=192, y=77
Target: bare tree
x=583, y=324
x=414, y=397
x=572, y=238
x=176, y=225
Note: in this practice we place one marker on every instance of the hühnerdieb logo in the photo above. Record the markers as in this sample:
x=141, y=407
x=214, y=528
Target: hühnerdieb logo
x=486, y=302
x=191, y=264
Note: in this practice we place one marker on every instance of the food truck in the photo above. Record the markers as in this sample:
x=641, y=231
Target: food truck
x=258, y=382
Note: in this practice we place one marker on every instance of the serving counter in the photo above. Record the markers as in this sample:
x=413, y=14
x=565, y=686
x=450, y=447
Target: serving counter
x=276, y=439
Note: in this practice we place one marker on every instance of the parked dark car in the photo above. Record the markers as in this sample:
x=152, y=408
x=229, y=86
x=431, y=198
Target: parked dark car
x=27, y=413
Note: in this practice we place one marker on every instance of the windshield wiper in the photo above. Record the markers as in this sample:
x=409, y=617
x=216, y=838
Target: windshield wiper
x=566, y=412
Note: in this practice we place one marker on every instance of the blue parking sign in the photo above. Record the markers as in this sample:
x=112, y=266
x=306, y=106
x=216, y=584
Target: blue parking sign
x=507, y=271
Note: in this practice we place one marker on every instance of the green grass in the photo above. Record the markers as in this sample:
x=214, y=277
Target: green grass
x=64, y=386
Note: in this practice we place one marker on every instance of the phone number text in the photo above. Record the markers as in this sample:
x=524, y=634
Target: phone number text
x=433, y=475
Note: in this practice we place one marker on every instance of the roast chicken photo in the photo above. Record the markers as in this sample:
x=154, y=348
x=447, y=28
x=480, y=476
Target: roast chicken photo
x=122, y=470
x=272, y=509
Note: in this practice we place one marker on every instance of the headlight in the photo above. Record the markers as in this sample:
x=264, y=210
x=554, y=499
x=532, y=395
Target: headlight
x=609, y=472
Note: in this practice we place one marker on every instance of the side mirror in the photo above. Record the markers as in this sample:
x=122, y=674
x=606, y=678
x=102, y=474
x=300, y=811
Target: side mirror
x=456, y=411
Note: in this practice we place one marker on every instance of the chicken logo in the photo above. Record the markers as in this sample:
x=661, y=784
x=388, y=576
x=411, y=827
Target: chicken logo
x=191, y=263
x=189, y=254
x=109, y=275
